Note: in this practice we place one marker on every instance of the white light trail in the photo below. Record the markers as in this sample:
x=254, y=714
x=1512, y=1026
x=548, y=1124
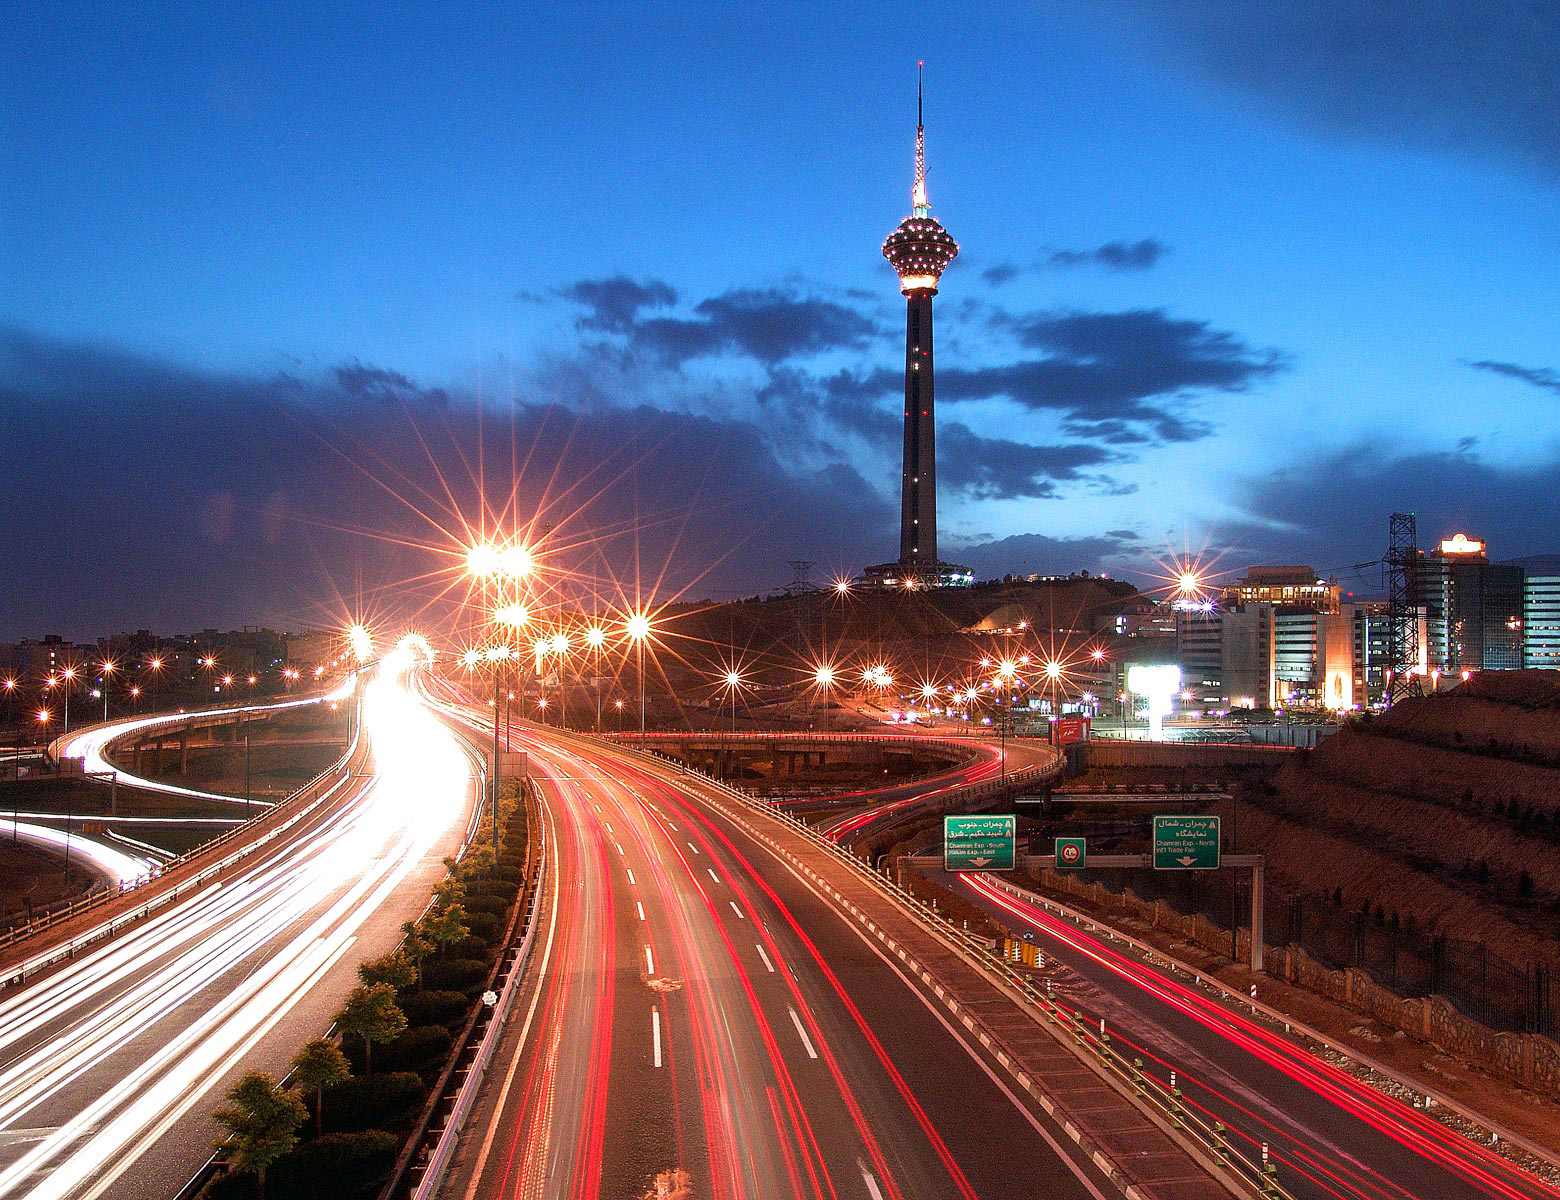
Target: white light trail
x=105, y=1055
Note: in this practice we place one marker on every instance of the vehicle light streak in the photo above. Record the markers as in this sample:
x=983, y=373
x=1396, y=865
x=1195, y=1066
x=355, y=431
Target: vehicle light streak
x=1425, y=1136
x=107, y=1053
x=90, y=744
x=114, y=865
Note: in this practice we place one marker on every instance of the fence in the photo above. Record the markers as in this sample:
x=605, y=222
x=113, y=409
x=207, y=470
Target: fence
x=1477, y=981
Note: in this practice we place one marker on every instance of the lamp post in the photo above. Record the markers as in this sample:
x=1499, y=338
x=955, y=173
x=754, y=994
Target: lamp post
x=492, y=565
x=1007, y=670
x=638, y=629
x=108, y=667
x=596, y=638
x=559, y=647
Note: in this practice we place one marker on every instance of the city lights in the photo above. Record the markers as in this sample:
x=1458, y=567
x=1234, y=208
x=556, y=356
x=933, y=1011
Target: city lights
x=513, y=616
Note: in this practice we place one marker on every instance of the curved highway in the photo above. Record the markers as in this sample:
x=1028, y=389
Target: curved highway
x=696, y=1018
x=110, y=1062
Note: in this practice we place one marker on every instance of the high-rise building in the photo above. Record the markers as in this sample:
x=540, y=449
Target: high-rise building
x=1473, y=608
x=919, y=250
x=1541, y=621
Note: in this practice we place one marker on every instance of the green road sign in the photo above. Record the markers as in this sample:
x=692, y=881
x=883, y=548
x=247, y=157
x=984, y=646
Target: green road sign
x=983, y=843
x=1070, y=853
x=1186, y=843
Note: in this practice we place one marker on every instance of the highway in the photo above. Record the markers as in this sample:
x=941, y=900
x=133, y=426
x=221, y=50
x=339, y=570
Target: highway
x=1332, y=1135
x=871, y=808
x=111, y=1062
x=695, y=1016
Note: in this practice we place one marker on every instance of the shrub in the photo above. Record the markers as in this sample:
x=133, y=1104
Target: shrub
x=417, y=1049
x=336, y=1165
x=468, y=975
x=504, y=889
x=497, y=906
x=473, y=947
x=486, y=926
x=435, y=1008
x=371, y=1101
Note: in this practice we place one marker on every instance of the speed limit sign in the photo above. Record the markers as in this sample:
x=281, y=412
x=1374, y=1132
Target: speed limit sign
x=1070, y=853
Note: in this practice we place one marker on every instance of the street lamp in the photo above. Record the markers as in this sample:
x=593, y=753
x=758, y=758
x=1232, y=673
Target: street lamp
x=638, y=627
x=1007, y=670
x=559, y=647
x=596, y=639
x=108, y=667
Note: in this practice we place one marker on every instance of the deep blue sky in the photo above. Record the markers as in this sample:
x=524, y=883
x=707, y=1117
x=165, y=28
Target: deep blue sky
x=1241, y=278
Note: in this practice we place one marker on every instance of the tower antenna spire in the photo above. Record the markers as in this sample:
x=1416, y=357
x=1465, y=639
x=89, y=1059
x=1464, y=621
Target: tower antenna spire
x=918, y=201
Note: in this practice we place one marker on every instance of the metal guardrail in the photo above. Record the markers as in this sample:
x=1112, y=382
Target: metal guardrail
x=438, y=1162
x=835, y=737
x=56, y=913
x=310, y=793
x=1426, y=1097
x=1163, y=1103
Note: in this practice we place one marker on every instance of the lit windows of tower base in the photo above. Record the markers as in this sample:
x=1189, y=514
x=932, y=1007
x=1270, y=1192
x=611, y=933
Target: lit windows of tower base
x=919, y=251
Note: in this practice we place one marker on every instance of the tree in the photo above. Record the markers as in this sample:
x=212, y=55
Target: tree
x=372, y=1014
x=395, y=968
x=262, y=1120
x=447, y=926
x=319, y=1065
x=415, y=945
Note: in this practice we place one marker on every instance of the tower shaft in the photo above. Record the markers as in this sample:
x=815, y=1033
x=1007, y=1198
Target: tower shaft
x=918, y=491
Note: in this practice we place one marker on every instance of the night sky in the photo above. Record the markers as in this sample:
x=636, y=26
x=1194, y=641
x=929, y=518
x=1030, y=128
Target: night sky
x=282, y=295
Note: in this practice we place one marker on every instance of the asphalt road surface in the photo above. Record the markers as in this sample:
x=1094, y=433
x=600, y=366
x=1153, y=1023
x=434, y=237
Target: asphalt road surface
x=695, y=1016
x=111, y=1062
x=1331, y=1135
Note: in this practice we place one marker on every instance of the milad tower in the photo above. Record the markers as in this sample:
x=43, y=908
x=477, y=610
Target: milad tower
x=919, y=250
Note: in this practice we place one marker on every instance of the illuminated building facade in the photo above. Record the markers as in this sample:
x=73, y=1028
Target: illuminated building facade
x=1288, y=587
x=1541, y=622
x=1473, y=607
x=919, y=250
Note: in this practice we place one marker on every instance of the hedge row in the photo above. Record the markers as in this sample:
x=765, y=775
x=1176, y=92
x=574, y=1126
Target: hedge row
x=401, y=1022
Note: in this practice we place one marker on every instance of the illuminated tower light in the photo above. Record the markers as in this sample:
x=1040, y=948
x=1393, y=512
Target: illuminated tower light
x=919, y=250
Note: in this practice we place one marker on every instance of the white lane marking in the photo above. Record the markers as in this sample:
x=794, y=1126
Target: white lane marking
x=765, y=957
x=649, y=962
x=640, y=906
x=597, y=807
x=692, y=847
x=737, y=910
x=868, y=1178
x=655, y=1033
x=609, y=826
x=672, y=827
x=630, y=871
x=713, y=876
x=619, y=845
x=801, y=1033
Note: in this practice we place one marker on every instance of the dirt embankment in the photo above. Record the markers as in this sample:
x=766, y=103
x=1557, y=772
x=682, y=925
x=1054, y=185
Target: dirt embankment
x=1417, y=814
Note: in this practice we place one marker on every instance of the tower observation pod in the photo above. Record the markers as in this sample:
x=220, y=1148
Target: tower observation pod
x=919, y=250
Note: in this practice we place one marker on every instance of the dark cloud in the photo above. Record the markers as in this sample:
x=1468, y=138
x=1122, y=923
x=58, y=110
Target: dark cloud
x=1331, y=510
x=204, y=498
x=1037, y=554
x=1114, y=256
x=1543, y=377
x=381, y=386
x=1107, y=367
x=997, y=468
x=769, y=325
x=615, y=304
x=1479, y=78
x=766, y=324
